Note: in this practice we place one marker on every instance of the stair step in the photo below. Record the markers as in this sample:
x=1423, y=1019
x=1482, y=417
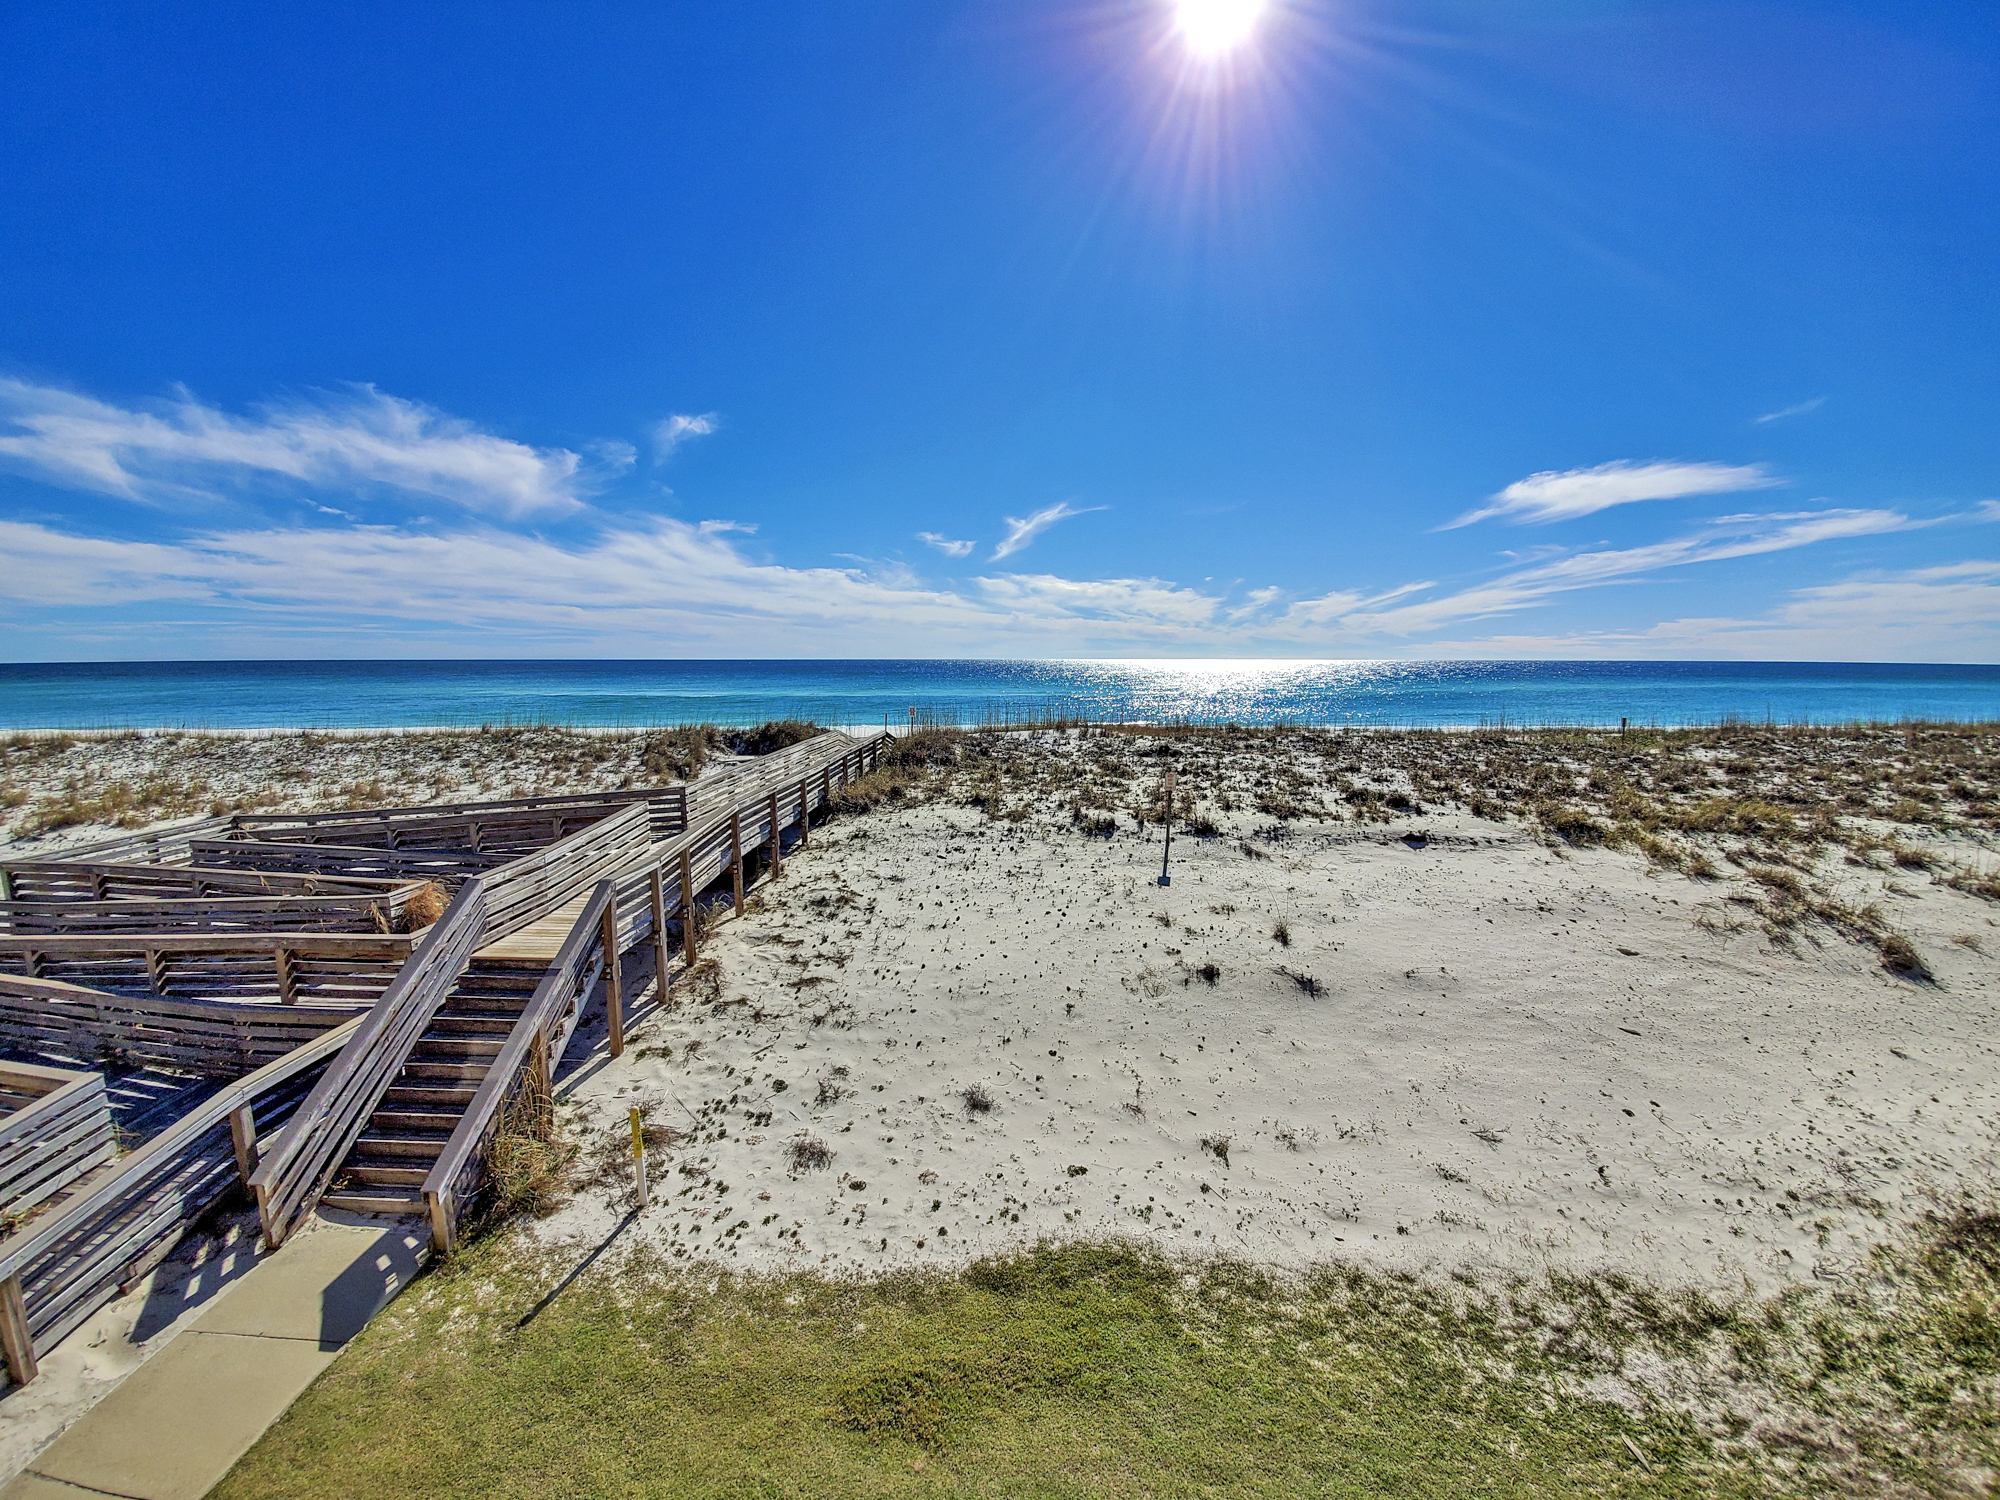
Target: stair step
x=418, y=1071
x=410, y=1119
x=435, y=1046
x=399, y=1143
x=484, y=1005
x=380, y=1171
x=497, y=1024
x=434, y=1095
x=375, y=1201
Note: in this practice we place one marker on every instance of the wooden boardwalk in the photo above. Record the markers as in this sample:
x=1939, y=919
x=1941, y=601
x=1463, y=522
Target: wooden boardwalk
x=393, y=1055
x=542, y=938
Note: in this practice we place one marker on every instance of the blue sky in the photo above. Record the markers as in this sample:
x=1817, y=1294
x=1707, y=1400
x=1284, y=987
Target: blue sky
x=911, y=327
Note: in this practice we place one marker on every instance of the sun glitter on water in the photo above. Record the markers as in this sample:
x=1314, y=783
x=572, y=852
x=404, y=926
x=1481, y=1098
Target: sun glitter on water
x=1211, y=28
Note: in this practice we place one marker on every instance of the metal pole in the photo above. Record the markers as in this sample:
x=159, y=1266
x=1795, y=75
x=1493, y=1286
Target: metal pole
x=1165, y=878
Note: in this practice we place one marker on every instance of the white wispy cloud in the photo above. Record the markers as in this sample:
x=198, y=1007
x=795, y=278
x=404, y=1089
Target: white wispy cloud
x=1945, y=613
x=1793, y=411
x=1525, y=588
x=181, y=448
x=671, y=581
x=1021, y=532
x=671, y=432
x=1563, y=495
x=614, y=582
x=945, y=544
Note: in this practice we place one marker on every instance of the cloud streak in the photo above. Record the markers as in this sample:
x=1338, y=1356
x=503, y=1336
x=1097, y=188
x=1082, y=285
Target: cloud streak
x=945, y=544
x=1792, y=411
x=182, y=449
x=1022, y=532
x=674, y=431
x=1564, y=495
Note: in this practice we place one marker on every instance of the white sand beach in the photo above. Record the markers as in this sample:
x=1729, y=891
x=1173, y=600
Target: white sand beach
x=1476, y=1051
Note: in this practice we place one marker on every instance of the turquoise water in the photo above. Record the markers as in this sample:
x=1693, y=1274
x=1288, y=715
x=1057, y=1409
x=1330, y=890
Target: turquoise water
x=344, y=694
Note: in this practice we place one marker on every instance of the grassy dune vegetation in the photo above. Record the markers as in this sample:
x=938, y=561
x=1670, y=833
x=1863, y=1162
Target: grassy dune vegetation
x=50, y=782
x=1098, y=1370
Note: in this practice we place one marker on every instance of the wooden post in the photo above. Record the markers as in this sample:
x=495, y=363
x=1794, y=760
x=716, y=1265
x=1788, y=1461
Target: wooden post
x=444, y=1225
x=687, y=908
x=777, y=860
x=614, y=984
x=7, y=884
x=475, y=836
x=288, y=982
x=156, y=970
x=243, y=1136
x=657, y=889
x=539, y=1069
x=805, y=812
x=736, y=856
x=14, y=1334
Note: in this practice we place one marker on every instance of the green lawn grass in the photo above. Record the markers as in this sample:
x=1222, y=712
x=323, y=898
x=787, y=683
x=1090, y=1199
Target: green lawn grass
x=1086, y=1370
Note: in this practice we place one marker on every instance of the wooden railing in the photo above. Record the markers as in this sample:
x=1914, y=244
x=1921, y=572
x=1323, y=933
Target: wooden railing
x=57, y=1127
x=209, y=914
x=732, y=820
x=529, y=888
x=55, y=881
x=451, y=866
x=526, y=1062
x=513, y=824
x=153, y=846
x=75, y=1258
x=292, y=1177
x=214, y=1038
x=321, y=968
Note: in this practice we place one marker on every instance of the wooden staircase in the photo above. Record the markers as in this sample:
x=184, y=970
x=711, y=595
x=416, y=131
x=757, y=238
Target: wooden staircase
x=384, y=1173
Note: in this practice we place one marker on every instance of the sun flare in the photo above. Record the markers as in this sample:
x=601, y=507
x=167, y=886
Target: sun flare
x=1210, y=28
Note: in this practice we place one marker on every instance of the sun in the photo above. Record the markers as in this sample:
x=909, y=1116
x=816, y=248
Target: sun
x=1211, y=28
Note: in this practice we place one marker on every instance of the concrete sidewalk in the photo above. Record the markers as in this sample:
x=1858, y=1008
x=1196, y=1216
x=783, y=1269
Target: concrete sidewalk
x=183, y=1418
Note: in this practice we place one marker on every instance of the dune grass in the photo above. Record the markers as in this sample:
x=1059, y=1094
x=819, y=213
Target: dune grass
x=1085, y=1370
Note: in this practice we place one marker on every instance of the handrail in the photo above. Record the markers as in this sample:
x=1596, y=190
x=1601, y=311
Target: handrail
x=72, y=1260
x=556, y=870
x=158, y=842
x=105, y=874
x=194, y=940
x=24, y=1247
x=556, y=998
x=299, y=1166
x=342, y=913
x=442, y=811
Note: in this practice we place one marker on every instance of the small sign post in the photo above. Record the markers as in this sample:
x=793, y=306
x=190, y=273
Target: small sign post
x=639, y=1153
x=1165, y=878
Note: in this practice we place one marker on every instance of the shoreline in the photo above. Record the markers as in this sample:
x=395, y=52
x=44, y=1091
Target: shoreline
x=998, y=726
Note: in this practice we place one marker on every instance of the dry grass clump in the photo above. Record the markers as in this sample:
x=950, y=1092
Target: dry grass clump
x=1900, y=956
x=528, y=1164
x=775, y=734
x=808, y=1153
x=677, y=754
x=424, y=907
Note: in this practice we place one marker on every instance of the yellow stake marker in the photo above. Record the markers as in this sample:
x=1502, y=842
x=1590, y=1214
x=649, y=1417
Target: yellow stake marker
x=639, y=1153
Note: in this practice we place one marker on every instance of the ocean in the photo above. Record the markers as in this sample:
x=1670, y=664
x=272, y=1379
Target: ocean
x=401, y=694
